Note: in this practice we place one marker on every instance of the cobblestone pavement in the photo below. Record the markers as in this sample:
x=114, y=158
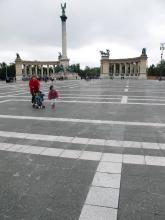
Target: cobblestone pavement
x=100, y=155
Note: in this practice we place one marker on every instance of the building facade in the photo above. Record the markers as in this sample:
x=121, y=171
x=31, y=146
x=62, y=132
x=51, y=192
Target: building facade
x=26, y=68
x=136, y=66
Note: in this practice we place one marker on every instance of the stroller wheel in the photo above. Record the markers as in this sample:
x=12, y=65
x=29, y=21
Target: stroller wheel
x=43, y=107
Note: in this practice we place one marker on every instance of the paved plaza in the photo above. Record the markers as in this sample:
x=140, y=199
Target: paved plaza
x=99, y=156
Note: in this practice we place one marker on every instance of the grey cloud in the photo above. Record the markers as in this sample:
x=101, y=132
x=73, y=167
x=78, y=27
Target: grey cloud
x=37, y=23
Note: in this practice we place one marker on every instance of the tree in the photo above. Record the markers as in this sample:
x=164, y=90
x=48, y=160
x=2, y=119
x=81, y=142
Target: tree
x=74, y=68
x=152, y=70
x=3, y=67
x=92, y=72
x=158, y=70
x=161, y=68
x=7, y=70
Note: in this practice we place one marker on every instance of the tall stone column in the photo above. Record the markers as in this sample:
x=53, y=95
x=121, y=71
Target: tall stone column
x=64, y=60
x=64, y=42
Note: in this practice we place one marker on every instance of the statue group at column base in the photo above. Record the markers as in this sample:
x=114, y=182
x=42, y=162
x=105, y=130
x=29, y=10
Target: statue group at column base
x=142, y=76
x=64, y=61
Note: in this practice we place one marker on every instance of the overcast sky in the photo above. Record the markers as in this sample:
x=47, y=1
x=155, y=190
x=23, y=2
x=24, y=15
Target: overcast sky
x=33, y=29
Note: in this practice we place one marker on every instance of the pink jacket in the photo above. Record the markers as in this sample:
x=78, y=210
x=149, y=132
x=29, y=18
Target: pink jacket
x=53, y=94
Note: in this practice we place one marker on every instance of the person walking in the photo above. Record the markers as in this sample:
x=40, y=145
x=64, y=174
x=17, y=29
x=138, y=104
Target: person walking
x=53, y=95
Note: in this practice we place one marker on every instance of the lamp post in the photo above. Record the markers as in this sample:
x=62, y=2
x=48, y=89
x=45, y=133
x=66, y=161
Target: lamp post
x=162, y=48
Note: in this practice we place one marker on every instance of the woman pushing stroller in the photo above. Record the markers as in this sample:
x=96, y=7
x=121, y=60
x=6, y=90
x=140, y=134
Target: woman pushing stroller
x=37, y=96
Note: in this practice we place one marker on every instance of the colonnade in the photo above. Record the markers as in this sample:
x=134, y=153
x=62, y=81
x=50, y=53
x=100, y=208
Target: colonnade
x=124, y=68
x=136, y=66
x=38, y=70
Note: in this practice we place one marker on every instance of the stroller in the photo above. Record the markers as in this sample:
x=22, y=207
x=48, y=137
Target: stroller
x=37, y=100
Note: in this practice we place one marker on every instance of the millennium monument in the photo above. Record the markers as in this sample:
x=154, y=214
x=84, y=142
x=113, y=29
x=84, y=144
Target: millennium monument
x=26, y=68
x=63, y=59
x=136, y=66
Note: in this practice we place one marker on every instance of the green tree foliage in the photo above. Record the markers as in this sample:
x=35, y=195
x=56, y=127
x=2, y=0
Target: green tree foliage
x=92, y=72
x=86, y=73
x=7, y=70
x=157, y=70
x=74, y=68
x=152, y=70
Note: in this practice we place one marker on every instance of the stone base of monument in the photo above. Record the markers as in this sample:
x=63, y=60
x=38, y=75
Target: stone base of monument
x=73, y=76
x=104, y=76
x=142, y=76
x=19, y=77
x=64, y=62
x=68, y=76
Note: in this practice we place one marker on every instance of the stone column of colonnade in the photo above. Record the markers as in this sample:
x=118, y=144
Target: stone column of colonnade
x=125, y=68
x=136, y=69
x=36, y=70
x=120, y=68
x=47, y=70
x=131, y=68
x=114, y=68
x=28, y=69
x=42, y=72
x=25, y=70
x=53, y=69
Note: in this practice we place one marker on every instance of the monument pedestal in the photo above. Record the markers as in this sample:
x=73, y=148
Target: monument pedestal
x=18, y=66
x=142, y=76
x=64, y=62
x=104, y=76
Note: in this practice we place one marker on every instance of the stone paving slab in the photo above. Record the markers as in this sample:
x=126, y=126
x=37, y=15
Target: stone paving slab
x=38, y=186
x=141, y=193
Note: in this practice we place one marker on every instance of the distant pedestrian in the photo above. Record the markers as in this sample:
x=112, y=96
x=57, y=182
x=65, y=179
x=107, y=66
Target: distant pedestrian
x=53, y=95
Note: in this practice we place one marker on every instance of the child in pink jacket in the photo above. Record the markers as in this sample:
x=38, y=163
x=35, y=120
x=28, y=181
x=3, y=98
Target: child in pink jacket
x=53, y=95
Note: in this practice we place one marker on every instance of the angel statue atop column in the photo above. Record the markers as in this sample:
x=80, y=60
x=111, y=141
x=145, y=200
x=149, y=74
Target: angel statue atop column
x=63, y=9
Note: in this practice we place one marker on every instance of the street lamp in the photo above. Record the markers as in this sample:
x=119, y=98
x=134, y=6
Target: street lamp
x=162, y=48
